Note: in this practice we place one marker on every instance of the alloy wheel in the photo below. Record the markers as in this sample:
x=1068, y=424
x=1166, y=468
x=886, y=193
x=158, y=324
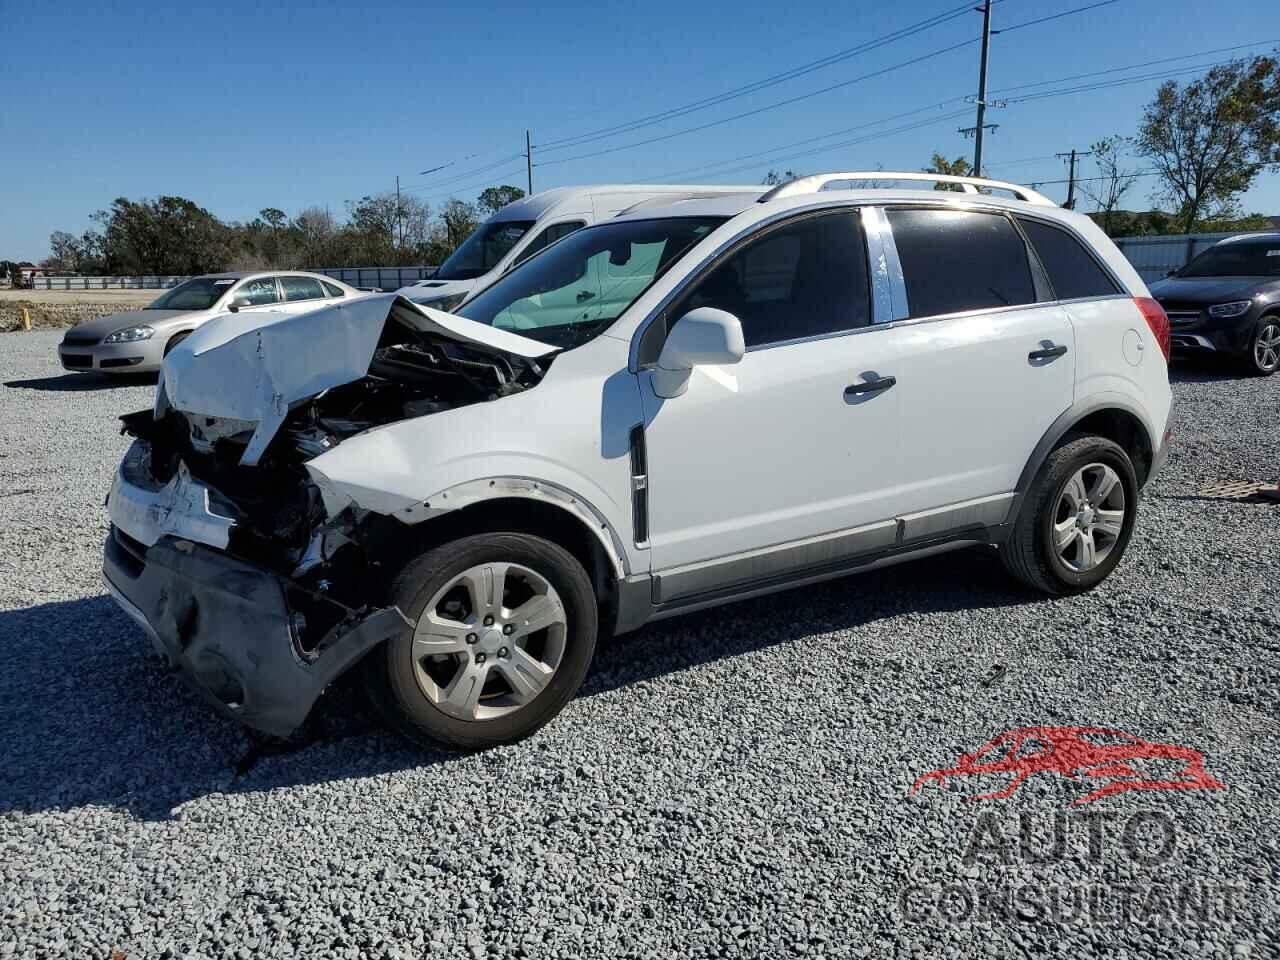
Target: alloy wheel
x=1089, y=517
x=489, y=641
x=1266, y=348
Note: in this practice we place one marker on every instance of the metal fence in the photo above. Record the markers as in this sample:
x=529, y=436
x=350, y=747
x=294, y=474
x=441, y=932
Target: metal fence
x=365, y=278
x=384, y=278
x=1154, y=257
x=104, y=283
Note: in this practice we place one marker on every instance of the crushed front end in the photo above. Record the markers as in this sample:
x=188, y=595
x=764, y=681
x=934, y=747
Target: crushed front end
x=241, y=575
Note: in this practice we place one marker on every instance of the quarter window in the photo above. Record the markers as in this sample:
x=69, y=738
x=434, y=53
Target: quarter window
x=957, y=260
x=301, y=288
x=333, y=290
x=258, y=292
x=1072, y=269
x=806, y=279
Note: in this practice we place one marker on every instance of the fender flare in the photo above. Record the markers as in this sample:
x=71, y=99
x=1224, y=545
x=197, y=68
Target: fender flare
x=472, y=492
x=1062, y=425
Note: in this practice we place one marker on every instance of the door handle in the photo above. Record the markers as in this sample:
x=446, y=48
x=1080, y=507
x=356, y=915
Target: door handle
x=869, y=386
x=1047, y=353
x=585, y=295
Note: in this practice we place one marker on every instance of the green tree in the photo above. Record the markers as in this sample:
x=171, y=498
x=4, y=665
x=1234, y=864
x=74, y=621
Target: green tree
x=1209, y=139
x=460, y=219
x=494, y=199
x=168, y=235
x=959, y=167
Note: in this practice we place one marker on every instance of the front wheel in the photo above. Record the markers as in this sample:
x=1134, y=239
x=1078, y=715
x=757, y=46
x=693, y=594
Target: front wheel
x=1076, y=519
x=1263, y=354
x=506, y=628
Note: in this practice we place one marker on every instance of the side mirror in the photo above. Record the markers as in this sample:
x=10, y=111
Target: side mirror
x=702, y=337
x=1172, y=273
x=239, y=303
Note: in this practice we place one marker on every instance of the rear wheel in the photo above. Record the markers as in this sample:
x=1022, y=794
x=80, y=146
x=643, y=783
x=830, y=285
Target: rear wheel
x=1263, y=354
x=506, y=628
x=1076, y=519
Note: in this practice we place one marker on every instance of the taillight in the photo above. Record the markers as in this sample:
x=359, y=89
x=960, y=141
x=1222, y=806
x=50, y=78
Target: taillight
x=1157, y=320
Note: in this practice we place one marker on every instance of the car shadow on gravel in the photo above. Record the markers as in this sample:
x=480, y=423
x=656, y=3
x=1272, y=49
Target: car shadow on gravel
x=82, y=382
x=92, y=718
x=1208, y=369
x=959, y=580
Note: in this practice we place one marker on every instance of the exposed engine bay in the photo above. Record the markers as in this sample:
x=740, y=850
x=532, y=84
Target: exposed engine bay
x=280, y=520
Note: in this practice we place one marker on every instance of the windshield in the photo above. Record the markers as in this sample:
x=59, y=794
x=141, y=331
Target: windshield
x=1238, y=259
x=198, y=294
x=573, y=290
x=483, y=250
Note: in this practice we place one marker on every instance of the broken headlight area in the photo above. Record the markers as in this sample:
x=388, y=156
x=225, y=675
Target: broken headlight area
x=332, y=564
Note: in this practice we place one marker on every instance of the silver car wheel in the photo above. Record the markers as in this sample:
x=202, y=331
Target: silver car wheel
x=1266, y=348
x=489, y=641
x=1089, y=517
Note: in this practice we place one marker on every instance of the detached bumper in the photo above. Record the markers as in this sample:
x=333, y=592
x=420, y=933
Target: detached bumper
x=228, y=626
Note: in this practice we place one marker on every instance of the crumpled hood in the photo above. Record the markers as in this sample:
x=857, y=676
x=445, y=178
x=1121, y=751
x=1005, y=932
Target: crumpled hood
x=101, y=326
x=431, y=289
x=254, y=366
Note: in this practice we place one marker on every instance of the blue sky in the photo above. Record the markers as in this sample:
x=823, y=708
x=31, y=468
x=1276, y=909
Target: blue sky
x=241, y=105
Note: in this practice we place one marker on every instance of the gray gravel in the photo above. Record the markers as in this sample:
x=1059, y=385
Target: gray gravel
x=731, y=784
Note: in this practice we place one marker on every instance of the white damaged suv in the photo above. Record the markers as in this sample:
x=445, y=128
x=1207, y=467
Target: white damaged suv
x=698, y=402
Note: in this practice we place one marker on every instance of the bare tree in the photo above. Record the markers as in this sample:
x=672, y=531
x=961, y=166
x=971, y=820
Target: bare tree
x=1113, y=182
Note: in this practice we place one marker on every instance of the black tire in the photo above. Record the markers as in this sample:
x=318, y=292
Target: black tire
x=1028, y=553
x=176, y=339
x=389, y=671
x=1270, y=325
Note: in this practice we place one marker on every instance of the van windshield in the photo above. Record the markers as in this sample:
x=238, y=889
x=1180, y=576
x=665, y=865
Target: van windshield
x=483, y=250
x=574, y=290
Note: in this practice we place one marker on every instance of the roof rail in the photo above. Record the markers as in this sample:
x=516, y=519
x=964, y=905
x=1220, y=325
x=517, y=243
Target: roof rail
x=813, y=184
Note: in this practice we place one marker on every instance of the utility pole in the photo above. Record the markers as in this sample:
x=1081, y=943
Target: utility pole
x=399, y=224
x=982, y=88
x=528, y=157
x=1071, y=175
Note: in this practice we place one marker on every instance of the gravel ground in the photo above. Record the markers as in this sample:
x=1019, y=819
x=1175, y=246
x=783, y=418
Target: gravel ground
x=731, y=784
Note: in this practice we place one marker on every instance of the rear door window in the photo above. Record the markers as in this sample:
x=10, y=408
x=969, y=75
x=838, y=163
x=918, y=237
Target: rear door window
x=1073, y=270
x=959, y=260
x=301, y=288
x=259, y=291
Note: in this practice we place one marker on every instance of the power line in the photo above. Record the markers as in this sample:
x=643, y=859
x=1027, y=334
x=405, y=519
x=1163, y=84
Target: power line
x=764, y=109
x=946, y=118
x=787, y=102
x=774, y=151
x=795, y=72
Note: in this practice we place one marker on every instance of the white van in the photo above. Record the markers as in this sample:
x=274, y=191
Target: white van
x=521, y=229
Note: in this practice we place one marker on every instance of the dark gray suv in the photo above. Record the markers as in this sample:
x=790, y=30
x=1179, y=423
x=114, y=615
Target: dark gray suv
x=1227, y=300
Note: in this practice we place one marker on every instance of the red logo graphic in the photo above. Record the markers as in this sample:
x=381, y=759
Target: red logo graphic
x=1123, y=760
